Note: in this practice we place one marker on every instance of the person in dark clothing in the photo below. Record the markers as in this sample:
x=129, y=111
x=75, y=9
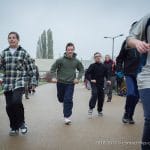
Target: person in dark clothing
x=110, y=65
x=96, y=74
x=129, y=58
x=86, y=81
x=139, y=38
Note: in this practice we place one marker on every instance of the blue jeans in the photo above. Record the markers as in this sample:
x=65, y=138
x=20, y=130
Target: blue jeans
x=145, y=98
x=132, y=96
x=65, y=96
x=132, y=88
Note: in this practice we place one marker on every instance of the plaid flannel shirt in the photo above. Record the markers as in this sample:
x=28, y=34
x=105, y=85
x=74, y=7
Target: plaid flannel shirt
x=15, y=67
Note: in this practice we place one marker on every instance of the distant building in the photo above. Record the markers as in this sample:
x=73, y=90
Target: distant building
x=44, y=65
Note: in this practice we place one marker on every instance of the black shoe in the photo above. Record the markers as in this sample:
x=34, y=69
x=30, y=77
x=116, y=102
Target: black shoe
x=100, y=114
x=109, y=100
x=33, y=91
x=131, y=121
x=27, y=97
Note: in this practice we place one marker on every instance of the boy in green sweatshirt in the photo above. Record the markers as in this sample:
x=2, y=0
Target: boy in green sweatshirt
x=63, y=73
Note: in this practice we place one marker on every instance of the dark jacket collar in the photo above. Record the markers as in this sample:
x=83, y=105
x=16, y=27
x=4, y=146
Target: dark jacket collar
x=74, y=55
x=19, y=48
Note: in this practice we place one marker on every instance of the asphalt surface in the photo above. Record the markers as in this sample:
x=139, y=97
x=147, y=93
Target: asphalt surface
x=47, y=130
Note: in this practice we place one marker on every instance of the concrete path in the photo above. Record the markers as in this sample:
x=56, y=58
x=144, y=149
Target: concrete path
x=48, y=132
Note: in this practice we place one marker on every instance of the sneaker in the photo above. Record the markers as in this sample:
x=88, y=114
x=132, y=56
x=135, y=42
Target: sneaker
x=100, y=113
x=24, y=128
x=33, y=91
x=90, y=111
x=109, y=100
x=13, y=132
x=131, y=121
x=27, y=97
x=125, y=118
x=67, y=121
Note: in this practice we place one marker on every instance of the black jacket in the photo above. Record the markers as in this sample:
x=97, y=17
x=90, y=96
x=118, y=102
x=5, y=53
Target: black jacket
x=128, y=60
x=97, y=71
x=110, y=67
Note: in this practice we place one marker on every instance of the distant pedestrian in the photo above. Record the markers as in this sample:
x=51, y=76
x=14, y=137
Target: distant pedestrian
x=96, y=74
x=110, y=65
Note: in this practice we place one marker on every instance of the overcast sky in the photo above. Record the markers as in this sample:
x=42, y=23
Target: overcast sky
x=83, y=22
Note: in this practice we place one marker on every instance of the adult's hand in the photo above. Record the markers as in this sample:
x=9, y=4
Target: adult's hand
x=142, y=46
x=33, y=87
x=76, y=81
x=54, y=80
x=109, y=82
x=93, y=81
x=1, y=82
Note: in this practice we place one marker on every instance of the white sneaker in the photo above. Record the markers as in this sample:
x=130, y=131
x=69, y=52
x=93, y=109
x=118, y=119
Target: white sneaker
x=90, y=111
x=24, y=129
x=62, y=104
x=14, y=132
x=100, y=114
x=67, y=121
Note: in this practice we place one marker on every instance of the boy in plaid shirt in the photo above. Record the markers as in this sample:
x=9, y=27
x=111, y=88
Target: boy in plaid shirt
x=15, y=62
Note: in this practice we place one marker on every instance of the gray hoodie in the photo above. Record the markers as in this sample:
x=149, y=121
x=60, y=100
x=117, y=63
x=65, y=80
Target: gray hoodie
x=138, y=32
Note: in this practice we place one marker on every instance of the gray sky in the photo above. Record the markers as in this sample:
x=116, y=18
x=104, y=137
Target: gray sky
x=83, y=22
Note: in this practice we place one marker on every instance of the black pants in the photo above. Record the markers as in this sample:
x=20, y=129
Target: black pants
x=97, y=93
x=14, y=107
x=131, y=102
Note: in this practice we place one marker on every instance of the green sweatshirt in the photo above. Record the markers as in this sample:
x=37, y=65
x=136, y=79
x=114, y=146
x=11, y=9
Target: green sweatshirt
x=64, y=69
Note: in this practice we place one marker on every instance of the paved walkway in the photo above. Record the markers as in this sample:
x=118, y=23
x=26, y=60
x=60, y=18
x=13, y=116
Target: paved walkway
x=48, y=132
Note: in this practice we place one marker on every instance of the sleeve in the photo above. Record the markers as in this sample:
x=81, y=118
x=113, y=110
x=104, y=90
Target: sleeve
x=31, y=68
x=120, y=58
x=89, y=72
x=80, y=68
x=54, y=68
x=37, y=73
x=137, y=31
x=2, y=62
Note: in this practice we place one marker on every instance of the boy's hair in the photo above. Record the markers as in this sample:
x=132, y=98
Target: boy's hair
x=70, y=44
x=16, y=34
x=108, y=56
x=97, y=53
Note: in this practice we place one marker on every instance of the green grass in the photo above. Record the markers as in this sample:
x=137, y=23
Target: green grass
x=1, y=91
x=42, y=82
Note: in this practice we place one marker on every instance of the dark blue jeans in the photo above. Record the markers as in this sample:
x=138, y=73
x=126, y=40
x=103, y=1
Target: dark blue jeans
x=65, y=96
x=132, y=96
x=145, y=98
